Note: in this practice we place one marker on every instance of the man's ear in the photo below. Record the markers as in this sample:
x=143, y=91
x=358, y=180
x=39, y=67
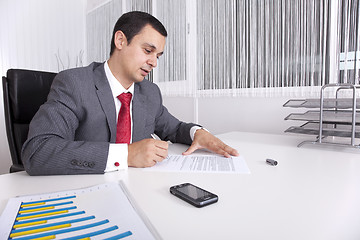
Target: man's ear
x=120, y=40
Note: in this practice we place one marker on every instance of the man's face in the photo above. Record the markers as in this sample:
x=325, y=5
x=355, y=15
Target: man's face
x=140, y=56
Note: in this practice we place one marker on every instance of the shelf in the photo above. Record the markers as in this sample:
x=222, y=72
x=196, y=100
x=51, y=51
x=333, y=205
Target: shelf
x=337, y=117
x=333, y=130
x=342, y=103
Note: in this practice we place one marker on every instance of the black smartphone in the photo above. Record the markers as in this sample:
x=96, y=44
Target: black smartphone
x=194, y=195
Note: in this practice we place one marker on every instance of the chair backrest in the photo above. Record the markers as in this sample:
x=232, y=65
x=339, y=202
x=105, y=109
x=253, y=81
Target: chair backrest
x=24, y=92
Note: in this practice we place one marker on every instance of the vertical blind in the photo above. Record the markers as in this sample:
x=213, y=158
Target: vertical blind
x=99, y=27
x=349, y=40
x=172, y=65
x=139, y=5
x=216, y=44
x=261, y=44
x=249, y=44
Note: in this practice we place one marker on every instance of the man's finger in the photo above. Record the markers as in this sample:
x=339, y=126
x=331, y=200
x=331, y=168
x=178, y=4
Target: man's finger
x=159, y=158
x=231, y=151
x=161, y=144
x=222, y=152
x=161, y=153
x=190, y=150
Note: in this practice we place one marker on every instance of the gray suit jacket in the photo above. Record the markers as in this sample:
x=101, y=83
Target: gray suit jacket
x=71, y=132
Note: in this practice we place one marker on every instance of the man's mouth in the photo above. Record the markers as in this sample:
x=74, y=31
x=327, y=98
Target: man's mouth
x=145, y=71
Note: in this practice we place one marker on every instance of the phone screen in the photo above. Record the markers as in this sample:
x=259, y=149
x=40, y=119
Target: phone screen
x=193, y=192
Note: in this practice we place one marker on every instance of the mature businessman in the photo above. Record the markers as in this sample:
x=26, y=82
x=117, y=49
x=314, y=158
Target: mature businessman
x=86, y=127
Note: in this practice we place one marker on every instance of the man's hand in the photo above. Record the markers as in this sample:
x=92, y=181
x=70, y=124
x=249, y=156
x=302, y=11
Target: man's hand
x=204, y=139
x=147, y=152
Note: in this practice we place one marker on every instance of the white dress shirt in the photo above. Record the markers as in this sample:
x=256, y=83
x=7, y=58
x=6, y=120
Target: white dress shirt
x=118, y=152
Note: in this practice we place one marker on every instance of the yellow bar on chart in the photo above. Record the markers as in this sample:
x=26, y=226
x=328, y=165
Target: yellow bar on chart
x=36, y=210
x=39, y=230
x=41, y=215
x=32, y=204
x=45, y=238
x=20, y=225
x=85, y=238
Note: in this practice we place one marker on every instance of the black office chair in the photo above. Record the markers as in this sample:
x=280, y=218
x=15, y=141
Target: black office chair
x=24, y=91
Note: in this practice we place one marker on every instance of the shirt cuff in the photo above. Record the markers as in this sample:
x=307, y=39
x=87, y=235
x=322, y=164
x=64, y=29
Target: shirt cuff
x=117, y=158
x=194, y=129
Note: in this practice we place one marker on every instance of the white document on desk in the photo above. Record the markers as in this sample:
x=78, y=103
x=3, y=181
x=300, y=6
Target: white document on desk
x=201, y=163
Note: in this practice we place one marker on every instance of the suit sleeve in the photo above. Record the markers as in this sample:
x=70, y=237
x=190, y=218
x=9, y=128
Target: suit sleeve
x=51, y=147
x=169, y=128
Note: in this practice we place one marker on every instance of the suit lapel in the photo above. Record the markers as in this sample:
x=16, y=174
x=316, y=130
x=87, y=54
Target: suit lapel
x=138, y=114
x=106, y=100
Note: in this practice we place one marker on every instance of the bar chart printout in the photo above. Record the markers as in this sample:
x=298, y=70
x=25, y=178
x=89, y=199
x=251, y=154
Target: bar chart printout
x=104, y=211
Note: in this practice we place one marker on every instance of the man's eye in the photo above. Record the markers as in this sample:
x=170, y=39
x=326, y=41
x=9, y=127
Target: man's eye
x=147, y=51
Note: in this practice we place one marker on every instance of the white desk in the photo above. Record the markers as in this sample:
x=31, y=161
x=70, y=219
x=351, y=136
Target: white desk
x=313, y=193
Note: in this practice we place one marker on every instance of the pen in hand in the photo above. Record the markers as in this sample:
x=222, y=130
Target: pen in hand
x=154, y=136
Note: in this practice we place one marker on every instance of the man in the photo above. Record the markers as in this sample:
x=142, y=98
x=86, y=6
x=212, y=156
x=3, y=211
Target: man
x=86, y=126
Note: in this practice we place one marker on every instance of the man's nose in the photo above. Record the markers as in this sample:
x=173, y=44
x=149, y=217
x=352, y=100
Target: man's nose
x=153, y=61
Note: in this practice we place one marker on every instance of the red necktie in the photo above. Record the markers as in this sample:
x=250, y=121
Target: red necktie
x=123, y=129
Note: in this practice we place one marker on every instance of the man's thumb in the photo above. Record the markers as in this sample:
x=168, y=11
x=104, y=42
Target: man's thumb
x=190, y=150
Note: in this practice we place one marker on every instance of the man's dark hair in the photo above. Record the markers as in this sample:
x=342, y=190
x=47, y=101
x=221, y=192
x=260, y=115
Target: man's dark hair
x=132, y=23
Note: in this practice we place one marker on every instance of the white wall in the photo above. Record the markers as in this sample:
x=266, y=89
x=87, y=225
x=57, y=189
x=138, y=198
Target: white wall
x=248, y=114
x=224, y=114
x=33, y=34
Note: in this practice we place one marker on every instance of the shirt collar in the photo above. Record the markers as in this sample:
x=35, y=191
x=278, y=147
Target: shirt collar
x=115, y=85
